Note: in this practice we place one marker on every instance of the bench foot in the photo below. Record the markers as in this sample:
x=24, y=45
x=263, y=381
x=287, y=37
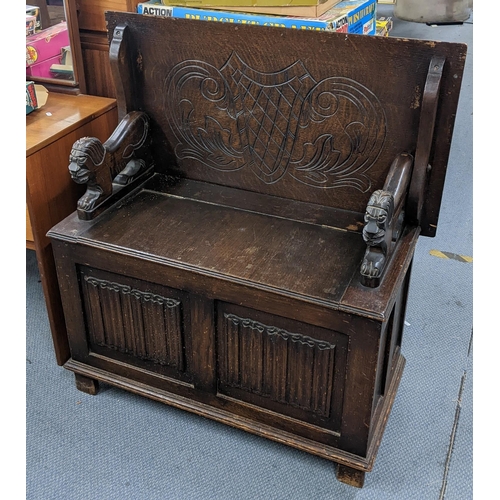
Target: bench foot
x=350, y=476
x=86, y=384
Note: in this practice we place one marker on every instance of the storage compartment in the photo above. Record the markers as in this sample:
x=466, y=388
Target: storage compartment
x=284, y=366
x=245, y=242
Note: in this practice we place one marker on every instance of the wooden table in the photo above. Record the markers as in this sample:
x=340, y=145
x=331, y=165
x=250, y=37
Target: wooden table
x=51, y=195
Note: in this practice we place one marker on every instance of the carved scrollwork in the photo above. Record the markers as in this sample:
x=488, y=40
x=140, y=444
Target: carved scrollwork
x=356, y=122
x=267, y=116
x=212, y=144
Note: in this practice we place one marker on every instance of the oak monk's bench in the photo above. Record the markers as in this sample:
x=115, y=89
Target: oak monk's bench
x=243, y=249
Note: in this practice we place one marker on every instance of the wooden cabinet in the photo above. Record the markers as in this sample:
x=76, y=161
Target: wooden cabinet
x=50, y=193
x=91, y=12
x=94, y=42
x=30, y=239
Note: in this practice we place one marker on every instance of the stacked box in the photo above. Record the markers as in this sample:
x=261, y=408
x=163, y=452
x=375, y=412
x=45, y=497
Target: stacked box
x=46, y=44
x=241, y=3
x=33, y=10
x=31, y=100
x=313, y=10
x=360, y=14
x=349, y=16
x=152, y=8
x=30, y=25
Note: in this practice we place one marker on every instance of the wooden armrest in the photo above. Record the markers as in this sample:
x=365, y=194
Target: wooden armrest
x=384, y=218
x=110, y=167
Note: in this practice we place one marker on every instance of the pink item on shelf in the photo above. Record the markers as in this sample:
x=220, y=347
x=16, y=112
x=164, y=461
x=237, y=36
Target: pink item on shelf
x=46, y=43
x=42, y=69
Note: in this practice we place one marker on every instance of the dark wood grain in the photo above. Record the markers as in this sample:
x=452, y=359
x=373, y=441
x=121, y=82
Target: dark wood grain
x=422, y=168
x=228, y=283
x=397, y=96
x=241, y=246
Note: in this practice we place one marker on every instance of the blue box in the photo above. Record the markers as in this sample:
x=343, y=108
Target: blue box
x=361, y=12
x=361, y=16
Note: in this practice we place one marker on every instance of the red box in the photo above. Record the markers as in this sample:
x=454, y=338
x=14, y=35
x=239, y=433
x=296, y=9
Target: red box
x=31, y=99
x=46, y=43
x=42, y=68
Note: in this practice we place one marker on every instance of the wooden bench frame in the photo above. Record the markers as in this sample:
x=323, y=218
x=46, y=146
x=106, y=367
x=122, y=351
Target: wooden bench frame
x=244, y=247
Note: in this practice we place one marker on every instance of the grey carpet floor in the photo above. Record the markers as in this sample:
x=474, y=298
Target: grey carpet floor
x=117, y=445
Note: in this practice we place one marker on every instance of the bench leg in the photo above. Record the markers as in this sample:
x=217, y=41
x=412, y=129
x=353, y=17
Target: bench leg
x=350, y=476
x=86, y=384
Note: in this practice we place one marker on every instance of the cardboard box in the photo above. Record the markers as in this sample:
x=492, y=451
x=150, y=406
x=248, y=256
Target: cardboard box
x=30, y=25
x=46, y=43
x=384, y=25
x=347, y=16
x=34, y=10
x=312, y=24
x=228, y=4
x=314, y=10
x=361, y=16
x=31, y=100
x=36, y=96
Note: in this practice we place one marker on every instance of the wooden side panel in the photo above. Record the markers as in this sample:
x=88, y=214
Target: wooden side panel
x=91, y=12
x=30, y=241
x=95, y=55
x=277, y=364
x=135, y=322
x=51, y=195
x=282, y=366
x=134, y=318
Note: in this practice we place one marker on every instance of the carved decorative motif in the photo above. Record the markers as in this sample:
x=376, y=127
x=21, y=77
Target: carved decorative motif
x=107, y=168
x=286, y=367
x=268, y=120
x=378, y=214
x=143, y=324
x=384, y=218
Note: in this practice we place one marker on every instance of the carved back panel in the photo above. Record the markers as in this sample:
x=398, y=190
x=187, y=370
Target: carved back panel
x=310, y=116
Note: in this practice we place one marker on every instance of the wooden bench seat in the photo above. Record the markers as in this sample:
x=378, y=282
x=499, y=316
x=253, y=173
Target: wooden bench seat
x=244, y=247
x=234, y=244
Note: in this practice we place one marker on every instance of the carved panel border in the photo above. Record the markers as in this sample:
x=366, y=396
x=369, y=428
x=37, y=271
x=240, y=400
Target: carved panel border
x=146, y=325
x=288, y=368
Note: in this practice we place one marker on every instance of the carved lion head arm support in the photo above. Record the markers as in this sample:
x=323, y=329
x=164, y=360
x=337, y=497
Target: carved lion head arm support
x=87, y=166
x=383, y=220
x=125, y=157
x=406, y=183
x=108, y=168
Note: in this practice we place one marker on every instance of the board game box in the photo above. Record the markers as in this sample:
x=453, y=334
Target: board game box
x=313, y=9
x=361, y=13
